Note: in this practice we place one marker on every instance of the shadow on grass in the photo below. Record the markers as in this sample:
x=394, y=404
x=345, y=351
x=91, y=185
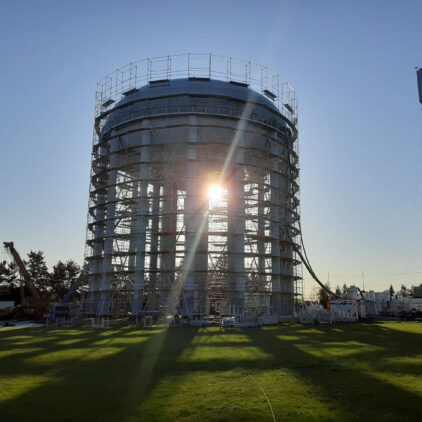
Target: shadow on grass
x=346, y=367
x=356, y=371
x=100, y=377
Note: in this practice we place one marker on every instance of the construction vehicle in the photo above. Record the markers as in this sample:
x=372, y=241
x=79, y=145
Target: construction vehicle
x=37, y=307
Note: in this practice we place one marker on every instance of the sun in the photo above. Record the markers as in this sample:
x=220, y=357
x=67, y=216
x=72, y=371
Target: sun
x=215, y=192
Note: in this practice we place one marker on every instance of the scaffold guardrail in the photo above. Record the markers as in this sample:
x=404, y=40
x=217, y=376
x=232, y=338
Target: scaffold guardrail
x=133, y=76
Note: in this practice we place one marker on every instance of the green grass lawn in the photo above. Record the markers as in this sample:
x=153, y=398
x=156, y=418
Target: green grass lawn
x=365, y=372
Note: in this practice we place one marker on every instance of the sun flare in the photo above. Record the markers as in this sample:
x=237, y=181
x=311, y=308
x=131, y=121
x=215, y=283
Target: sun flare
x=215, y=192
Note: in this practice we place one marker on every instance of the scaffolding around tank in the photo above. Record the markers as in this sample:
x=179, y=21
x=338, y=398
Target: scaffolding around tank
x=168, y=131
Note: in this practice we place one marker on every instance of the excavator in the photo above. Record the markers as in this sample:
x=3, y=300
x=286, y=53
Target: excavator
x=37, y=307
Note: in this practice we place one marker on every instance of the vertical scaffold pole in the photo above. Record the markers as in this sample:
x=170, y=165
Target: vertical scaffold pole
x=275, y=237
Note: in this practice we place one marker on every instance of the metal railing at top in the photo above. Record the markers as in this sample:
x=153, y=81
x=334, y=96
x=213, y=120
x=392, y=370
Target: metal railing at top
x=134, y=75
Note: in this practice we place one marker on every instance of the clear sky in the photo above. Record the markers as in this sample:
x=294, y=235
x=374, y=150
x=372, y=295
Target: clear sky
x=351, y=63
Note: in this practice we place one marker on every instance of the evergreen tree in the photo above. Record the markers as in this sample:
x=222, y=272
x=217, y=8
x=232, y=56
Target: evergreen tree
x=10, y=282
x=72, y=271
x=58, y=279
x=37, y=268
x=9, y=275
x=62, y=277
x=391, y=291
x=403, y=291
x=4, y=275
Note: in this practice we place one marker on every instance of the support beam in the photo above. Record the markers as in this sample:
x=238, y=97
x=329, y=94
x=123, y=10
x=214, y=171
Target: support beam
x=107, y=267
x=236, y=237
x=142, y=219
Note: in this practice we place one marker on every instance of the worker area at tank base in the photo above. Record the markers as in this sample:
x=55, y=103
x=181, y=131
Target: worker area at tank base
x=354, y=306
x=357, y=306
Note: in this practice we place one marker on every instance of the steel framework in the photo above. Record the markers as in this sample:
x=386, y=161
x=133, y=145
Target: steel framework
x=166, y=130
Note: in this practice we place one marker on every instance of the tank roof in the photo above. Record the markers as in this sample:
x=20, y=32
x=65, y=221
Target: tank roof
x=196, y=86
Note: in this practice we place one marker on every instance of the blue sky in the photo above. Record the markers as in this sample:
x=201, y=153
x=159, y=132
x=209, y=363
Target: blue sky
x=351, y=63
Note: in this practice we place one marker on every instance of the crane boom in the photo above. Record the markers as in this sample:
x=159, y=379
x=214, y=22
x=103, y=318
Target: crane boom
x=24, y=272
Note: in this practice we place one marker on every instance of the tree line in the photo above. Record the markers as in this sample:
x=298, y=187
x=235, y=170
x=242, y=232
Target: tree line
x=52, y=285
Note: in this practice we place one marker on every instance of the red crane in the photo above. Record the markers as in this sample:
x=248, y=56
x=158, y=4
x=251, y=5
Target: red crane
x=24, y=273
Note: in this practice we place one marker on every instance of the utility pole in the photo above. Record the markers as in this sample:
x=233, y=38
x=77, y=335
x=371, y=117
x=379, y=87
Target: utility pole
x=363, y=281
x=419, y=79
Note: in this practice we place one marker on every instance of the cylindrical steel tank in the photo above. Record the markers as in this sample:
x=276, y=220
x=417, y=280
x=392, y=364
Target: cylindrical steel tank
x=194, y=195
